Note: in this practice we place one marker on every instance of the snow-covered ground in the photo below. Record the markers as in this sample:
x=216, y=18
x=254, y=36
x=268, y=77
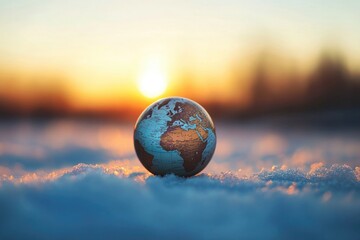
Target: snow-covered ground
x=70, y=179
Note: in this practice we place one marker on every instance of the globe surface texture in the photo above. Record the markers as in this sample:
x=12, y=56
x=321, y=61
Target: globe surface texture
x=175, y=135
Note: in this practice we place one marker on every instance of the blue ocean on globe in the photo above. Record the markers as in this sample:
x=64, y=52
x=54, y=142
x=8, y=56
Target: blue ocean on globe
x=175, y=135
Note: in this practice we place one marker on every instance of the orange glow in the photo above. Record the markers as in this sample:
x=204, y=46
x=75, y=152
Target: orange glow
x=292, y=189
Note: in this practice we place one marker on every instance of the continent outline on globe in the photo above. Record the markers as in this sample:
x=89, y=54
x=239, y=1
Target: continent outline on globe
x=175, y=135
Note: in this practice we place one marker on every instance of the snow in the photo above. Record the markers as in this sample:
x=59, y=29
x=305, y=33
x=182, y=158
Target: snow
x=82, y=180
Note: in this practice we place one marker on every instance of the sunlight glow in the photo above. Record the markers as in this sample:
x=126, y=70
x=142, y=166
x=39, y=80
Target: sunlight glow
x=152, y=81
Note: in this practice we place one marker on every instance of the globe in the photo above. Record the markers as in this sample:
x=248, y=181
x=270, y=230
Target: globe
x=174, y=136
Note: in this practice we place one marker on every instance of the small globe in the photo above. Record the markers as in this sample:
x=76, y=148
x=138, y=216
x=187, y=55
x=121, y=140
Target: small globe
x=175, y=135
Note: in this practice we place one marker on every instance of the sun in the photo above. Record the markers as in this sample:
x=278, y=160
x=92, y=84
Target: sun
x=152, y=81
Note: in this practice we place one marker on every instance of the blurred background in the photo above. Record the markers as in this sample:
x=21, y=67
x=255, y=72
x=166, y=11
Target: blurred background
x=78, y=74
x=111, y=59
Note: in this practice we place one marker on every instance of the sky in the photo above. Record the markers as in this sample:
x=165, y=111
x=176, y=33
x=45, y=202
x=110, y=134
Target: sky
x=100, y=49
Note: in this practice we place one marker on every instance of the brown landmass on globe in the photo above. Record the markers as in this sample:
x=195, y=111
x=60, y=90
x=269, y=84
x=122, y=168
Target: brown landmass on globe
x=187, y=142
x=188, y=110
